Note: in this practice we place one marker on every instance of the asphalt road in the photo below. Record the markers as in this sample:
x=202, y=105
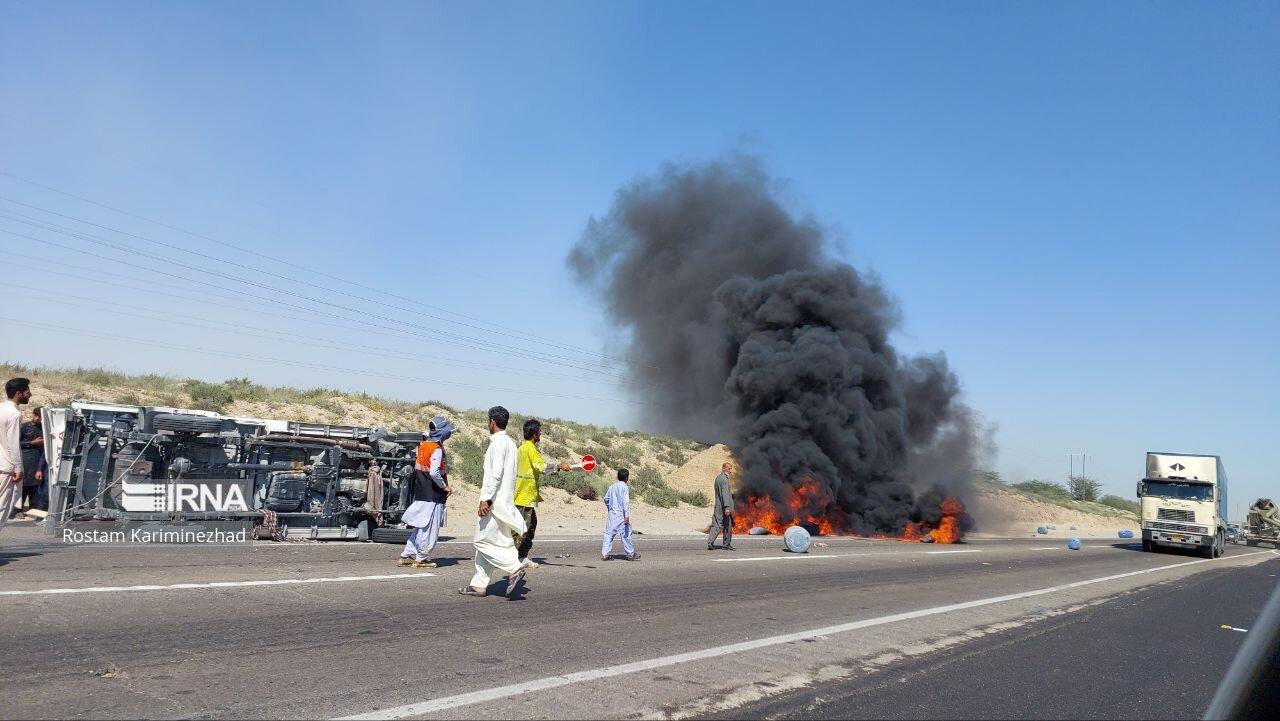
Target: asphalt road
x=332, y=630
x=1157, y=653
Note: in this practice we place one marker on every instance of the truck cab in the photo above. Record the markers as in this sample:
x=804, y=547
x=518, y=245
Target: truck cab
x=1184, y=503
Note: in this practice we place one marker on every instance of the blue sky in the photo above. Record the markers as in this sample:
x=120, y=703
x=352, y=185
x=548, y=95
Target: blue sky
x=1076, y=201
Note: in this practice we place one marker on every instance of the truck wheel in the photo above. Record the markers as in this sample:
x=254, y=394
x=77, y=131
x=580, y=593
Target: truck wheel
x=1219, y=547
x=1146, y=546
x=186, y=423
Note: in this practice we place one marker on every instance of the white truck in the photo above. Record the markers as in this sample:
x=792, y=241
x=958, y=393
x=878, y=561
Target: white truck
x=1184, y=503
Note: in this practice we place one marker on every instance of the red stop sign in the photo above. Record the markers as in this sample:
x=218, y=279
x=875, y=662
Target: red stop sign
x=588, y=462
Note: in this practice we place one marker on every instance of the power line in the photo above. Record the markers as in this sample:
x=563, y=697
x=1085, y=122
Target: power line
x=243, y=330
x=361, y=327
x=282, y=261
x=301, y=364
x=72, y=233
x=433, y=334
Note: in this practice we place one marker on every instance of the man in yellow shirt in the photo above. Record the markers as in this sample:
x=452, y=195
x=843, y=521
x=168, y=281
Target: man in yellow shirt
x=529, y=471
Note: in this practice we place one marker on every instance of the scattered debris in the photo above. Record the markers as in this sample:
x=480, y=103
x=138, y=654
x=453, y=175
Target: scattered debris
x=562, y=555
x=759, y=531
x=113, y=672
x=820, y=544
x=1074, y=544
x=1225, y=627
x=1042, y=530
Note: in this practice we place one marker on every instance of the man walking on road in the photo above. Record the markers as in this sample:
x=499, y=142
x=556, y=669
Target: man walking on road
x=530, y=467
x=17, y=392
x=617, y=503
x=722, y=510
x=498, y=520
x=430, y=492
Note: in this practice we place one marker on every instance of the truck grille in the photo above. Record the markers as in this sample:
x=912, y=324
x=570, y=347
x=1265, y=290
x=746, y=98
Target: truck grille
x=1179, y=527
x=1176, y=514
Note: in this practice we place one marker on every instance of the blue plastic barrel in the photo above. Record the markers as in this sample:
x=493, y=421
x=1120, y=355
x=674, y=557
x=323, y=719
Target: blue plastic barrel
x=1074, y=544
x=797, y=540
x=1126, y=534
x=1042, y=530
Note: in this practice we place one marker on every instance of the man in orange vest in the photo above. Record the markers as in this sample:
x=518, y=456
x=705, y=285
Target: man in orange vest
x=430, y=490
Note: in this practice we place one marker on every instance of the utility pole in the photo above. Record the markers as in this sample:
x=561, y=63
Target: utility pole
x=1071, y=464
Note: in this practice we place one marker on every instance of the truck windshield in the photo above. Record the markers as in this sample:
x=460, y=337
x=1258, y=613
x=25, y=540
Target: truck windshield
x=1184, y=491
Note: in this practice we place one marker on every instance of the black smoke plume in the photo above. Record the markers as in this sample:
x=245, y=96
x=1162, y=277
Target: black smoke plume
x=748, y=331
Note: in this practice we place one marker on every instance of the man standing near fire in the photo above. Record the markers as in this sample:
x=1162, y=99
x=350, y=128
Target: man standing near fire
x=722, y=509
x=530, y=467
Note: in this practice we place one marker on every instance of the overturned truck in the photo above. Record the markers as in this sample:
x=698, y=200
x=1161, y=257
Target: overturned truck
x=305, y=477
x=1263, y=523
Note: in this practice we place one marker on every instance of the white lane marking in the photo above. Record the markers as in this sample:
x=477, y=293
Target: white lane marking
x=796, y=557
x=935, y=553
x=1049, y=548
x=445, y=703
x=215, y=584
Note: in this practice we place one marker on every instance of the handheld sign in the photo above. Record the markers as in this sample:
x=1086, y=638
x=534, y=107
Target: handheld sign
x=588, y=463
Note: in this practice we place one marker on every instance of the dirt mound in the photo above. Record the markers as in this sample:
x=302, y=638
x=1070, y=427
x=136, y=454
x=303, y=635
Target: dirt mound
x=1004, y=512
x=700, y=472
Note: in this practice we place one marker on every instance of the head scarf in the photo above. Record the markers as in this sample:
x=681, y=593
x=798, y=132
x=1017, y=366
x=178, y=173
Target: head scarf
x=440, y=429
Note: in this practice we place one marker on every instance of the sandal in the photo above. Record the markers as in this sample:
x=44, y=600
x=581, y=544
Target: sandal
x=469, y=591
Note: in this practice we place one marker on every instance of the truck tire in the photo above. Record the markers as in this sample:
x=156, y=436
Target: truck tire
x=390, y=535
x=186, y=423
x=1146, y=546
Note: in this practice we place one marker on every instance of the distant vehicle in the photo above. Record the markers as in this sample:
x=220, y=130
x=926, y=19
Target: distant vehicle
x=1263, y=523
x=1183, y=500
x=1234, y=533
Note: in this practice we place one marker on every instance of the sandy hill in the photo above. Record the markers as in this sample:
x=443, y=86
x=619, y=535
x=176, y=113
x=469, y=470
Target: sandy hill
x=701, y=470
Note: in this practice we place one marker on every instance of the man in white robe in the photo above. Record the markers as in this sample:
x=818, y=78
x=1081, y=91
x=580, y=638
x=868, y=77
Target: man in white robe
x=498, y=521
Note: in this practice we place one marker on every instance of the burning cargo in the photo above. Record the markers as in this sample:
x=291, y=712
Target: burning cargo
x=743, y=327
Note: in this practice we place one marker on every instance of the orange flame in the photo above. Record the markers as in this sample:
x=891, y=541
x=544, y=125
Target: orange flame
x=811, y=504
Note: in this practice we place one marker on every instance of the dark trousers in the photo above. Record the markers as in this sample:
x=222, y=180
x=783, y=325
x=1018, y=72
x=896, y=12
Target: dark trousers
x=721, y=524
x=524, y=543
x=30, y=497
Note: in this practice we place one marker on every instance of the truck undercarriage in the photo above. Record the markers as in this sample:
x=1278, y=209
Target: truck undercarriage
x=300, y=475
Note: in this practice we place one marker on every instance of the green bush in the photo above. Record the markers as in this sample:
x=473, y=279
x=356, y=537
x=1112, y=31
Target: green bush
x=674, y=456
x=1046, y=489
x=645, y=478
x=1123, y=504
x=208, y=396
x=245, y=389
x=625, y=456
x=1083, y=488
x=571, y=482
x=466, y=459
x=662, y=497
x=100, y=377
x=695, y=498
